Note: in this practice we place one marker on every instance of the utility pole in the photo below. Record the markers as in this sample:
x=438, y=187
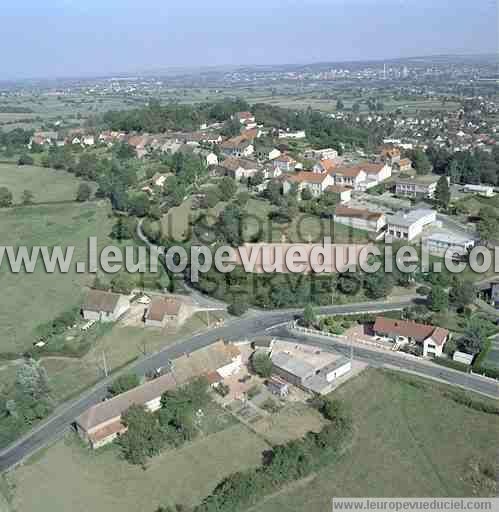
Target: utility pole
x=106, y=373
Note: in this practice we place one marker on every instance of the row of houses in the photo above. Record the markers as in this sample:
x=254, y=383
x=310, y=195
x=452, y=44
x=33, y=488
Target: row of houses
x=326, y=173
x=101, y=423
x=105, y=306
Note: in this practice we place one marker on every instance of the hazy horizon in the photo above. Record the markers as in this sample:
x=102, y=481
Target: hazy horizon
x=64, y=38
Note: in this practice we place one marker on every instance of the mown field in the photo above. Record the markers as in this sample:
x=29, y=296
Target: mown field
x=31, y=299
x=46, y=184
x=69, y=477
x=408, y=442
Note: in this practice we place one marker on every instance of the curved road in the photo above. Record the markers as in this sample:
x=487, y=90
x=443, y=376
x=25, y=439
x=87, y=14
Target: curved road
x=249, y=326
x=254, y=323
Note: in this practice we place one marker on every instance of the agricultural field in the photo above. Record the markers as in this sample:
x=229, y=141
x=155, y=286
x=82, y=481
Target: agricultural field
x=29, y=300
x=46, y=184
x=69, y=477
x=409, y=441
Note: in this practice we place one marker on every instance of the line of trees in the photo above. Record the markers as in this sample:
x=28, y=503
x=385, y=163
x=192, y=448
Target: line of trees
x=282, y=464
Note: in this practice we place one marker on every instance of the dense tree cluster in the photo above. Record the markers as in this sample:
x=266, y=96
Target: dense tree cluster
x=321, y=130
x=466, y=166
x=157, y=118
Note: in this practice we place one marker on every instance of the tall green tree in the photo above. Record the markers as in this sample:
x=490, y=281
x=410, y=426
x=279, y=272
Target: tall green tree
x=438, y=299
x=442, y=193
x=6, y=197
x=309, y=316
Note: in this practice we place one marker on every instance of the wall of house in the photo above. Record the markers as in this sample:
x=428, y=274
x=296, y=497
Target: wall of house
x=338, y=372
x=231, y=368
x=431, y=349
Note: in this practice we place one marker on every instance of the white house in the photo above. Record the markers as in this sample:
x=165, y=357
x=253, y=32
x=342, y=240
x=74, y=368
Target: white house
x=418, y=186
x=237, y=147
x=362, y=176
x=439, y=242
x=300, y=134
x=239, y=168
x=267, y=153
x=104, y=306
x=431, y=338
x=360, y=219
x=285, y=163
x=88, y=140
x=314, y=182
x=407, y=226
x=344, y=194
x=321, y=154
x=482, y=190
x=211, y=159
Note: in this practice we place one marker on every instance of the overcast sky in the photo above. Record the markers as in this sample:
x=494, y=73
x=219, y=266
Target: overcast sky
x=48, y=38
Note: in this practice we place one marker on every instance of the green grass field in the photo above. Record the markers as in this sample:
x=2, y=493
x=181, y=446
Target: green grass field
x=31, y=299
x=69, y=477
x=407, y=442
x=46, y=184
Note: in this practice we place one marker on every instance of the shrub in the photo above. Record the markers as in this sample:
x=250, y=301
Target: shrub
x=262, y=364
x=238, y=308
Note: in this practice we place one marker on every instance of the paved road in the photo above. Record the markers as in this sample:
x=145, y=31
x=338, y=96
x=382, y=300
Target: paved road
x=381, y=359
x=253, y=324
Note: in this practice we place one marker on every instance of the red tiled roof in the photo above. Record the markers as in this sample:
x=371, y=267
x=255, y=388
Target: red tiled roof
x=345, y=211
x=328, y=165
x=307, y=177
x=113, y=428
x=161, y=307
x=410, y=329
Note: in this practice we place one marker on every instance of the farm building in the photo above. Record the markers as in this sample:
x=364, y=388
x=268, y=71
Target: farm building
x=101, y=423
x=104, y=306
x=163, y=311
x=314, y=372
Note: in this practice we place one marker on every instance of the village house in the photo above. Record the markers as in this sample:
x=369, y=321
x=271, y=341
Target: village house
x=390, y=156
x=438, y=243
x=285, y=163
x=239, y=146
x=300, y=134
x=88, y=140
x=211, y=159
x=407, y=226
x=321, y=154
x=267, y=153
x=404, y=165
x=306, y=180
x=245, y=118
x=481, y=190
x=324, y=167
x=101, y=423
x=431, y=338
x=311, y=371
x=239, y=168
x=104, y=306
x=164, y=311
x=362, y=176
x=343, y=194
x=417, y=187
x=358, y=218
